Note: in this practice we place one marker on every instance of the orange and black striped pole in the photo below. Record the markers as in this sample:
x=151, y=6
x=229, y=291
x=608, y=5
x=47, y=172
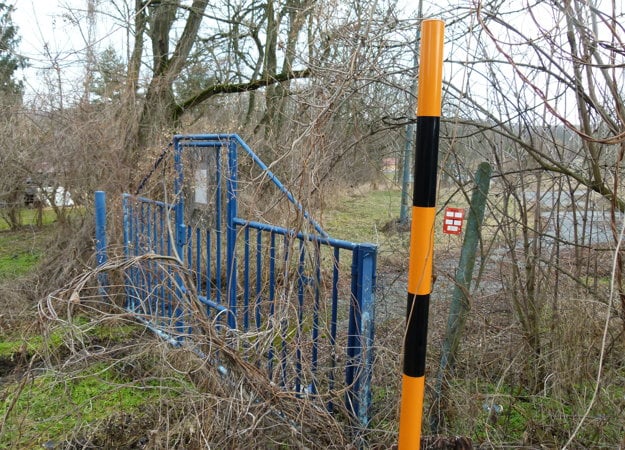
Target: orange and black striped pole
x=421, y=232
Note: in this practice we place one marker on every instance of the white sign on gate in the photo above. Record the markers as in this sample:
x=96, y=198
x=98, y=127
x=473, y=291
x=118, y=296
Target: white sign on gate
x=201, y=186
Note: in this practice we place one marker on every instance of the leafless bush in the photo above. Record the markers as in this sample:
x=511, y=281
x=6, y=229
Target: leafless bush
x=225, y=400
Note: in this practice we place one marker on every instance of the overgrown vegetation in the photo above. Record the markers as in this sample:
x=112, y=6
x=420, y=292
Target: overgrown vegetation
x=21, y=250
x=324, y=92
x=115, y=382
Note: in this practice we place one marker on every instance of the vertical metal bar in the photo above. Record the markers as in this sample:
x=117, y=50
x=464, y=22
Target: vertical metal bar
x=146, y=216
x=150, y=264
x=272, y=273
x=100, y=239
x=127, y=221
x=139, y=270
x=170, y=251
x=283, y=310
x=208, y=267
x=365, y=293
x=135, y=251
x=333, y=321
x=259, y=278
x=422, y=233
x=100, y=227
x=188, y=251
x=272, y=281
x=182, y=235
x=154, y=265
x=150, y=232
x=300, y=315
x=231, y=233
x=246, y=280
x=169, y=235
x=352, y=333
x=189, y=248
x=218, y=225
x=163, y=276
x=141, y=228
x=161, y=219
x=180, y=228
x=198, y=260
x=145, y=271
x=126, y=225
x=316, y=306
x=360, y=332
x=134, y=225
x=157, y=272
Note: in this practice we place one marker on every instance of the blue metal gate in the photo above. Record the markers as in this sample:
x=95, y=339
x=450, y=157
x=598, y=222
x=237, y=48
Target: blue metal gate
x=301, y=302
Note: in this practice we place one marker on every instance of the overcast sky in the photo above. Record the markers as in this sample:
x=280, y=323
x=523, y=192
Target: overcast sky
x=50, y=38
x=53, y=36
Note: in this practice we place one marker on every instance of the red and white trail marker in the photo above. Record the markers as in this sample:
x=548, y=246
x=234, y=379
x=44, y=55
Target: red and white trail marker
x=452, y=220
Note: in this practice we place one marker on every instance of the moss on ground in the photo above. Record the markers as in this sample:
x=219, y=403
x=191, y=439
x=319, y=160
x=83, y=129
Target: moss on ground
x=55, y=407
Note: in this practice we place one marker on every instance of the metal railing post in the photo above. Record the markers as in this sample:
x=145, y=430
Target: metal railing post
x=361, y=332
x=181, y=229
x=231, y=232
x=101, y=256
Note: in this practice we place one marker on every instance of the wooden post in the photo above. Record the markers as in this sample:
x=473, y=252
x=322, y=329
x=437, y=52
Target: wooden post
x=459, y=307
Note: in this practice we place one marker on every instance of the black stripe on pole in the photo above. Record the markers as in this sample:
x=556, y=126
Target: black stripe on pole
x=426, y=162
x=416, y=335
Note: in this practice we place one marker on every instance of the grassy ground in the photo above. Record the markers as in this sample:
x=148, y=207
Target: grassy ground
x=20, y=250
x=371, y=216
x=71, y=404
x=362, y=216
x=104, y=383
x=490, y=400
x=29, y=218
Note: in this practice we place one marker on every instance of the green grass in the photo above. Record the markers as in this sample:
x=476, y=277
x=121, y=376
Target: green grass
x=21, y=250
x=33, y=343
x=373, y=217
x=538, y=419
x=360, y=217
x=29, y=218
x=53, y=406
x=18, y=263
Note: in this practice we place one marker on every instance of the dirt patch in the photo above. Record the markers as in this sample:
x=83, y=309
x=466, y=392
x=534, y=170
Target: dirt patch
x=6, y=366
x=122, y=431
x=11, y=365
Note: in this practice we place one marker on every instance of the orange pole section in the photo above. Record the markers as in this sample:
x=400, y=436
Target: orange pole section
x=420, y=266
x=421, y=233
x=431, y=68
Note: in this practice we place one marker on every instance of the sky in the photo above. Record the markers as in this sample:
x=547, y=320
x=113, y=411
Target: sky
x=54, y=40
x=51, y=38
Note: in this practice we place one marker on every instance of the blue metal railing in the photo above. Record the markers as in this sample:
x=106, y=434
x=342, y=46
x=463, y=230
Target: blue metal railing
x=311, y=294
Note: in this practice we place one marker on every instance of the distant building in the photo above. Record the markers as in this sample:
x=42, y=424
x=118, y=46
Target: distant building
x=389, y=165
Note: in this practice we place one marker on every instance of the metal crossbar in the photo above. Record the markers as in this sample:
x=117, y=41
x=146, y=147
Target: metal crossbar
x=302, y=302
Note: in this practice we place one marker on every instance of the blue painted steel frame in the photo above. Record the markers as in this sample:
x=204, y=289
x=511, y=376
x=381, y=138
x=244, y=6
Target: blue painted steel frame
x=100, y=239
x=360, y=333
